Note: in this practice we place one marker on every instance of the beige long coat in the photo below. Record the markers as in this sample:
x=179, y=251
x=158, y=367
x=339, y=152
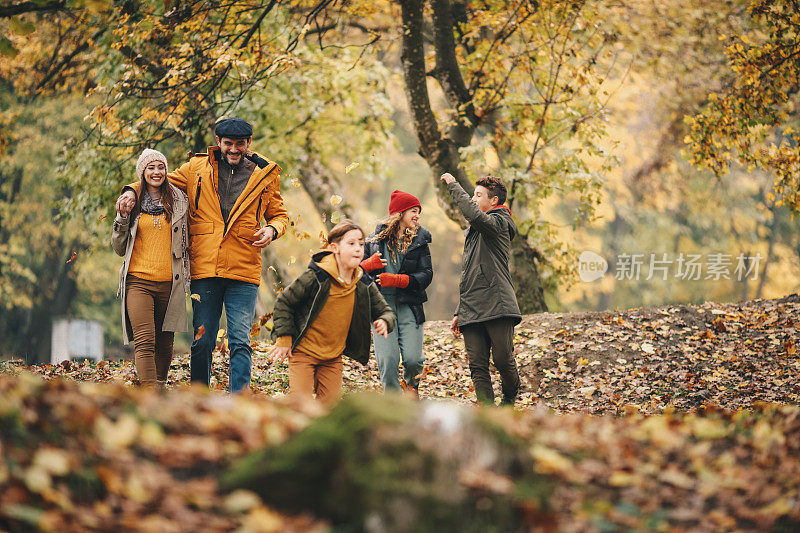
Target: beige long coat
x=123, y=238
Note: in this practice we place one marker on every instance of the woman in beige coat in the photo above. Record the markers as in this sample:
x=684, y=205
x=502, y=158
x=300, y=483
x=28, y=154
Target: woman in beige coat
x=153, y=280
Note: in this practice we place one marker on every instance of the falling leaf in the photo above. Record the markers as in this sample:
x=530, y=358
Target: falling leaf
x=102, y=217
x=72, y=257
x=195, y=297
x=200, y=332
x=336, y=217
x=790, y=347
x=292, y=260
x=296, y=183
x=323, y=240
x=336, y=200
x=350, y=167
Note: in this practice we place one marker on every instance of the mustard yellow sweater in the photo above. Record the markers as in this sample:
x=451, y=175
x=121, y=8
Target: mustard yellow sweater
x=326, y=337
x=150, y=257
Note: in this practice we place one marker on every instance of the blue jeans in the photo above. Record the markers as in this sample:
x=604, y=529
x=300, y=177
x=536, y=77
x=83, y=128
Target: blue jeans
x=406, y=338
x=239, y=298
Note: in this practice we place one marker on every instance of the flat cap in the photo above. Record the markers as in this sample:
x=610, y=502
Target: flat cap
x=233, y=128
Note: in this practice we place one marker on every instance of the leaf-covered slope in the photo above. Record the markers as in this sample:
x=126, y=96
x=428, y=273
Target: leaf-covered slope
x=649, y=359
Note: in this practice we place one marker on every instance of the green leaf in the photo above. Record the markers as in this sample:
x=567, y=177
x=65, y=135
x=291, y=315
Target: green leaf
x=21, y=28
x=7, y=49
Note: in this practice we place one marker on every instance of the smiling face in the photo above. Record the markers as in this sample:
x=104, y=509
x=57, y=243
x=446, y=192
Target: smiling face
x=233, y=149
x=349, y=250
x=482, y=199
x=154, y=174
x=410, y=218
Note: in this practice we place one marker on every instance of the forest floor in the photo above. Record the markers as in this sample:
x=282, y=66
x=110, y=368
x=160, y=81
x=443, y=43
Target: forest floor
x=704, y=435
x=648, y=359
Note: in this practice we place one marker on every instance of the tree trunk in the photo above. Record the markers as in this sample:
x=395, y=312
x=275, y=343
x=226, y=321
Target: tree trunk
x=770, y=248
x=320, y=186
x=525, y=275
x=441, y=152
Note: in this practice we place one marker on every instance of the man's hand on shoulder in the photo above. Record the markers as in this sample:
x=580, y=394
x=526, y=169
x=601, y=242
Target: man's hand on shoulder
x=448, y=178
x=264, y=236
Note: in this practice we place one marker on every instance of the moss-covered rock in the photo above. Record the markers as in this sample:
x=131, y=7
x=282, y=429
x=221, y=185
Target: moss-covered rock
x=383, y=463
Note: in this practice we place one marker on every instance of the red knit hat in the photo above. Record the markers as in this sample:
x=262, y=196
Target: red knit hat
x=401, y=201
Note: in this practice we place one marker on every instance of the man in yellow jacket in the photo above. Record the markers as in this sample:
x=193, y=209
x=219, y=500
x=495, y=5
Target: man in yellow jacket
x=230, y=190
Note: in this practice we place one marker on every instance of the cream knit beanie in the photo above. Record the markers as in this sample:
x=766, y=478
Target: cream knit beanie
x=147, y=157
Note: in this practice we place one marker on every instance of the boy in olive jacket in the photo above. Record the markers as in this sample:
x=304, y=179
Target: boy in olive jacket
x=327, y=312
x=487, y=308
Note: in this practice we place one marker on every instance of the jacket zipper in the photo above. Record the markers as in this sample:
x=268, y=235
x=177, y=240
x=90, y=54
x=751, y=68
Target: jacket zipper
x=227, y=196
x=197, y=196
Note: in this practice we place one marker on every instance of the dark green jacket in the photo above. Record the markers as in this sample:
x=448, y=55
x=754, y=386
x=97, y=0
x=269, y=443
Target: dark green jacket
x=486, y=291
x=299, y=304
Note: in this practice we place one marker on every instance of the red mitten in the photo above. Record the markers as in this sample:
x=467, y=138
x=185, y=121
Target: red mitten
x=393, y=280
x=373, y=262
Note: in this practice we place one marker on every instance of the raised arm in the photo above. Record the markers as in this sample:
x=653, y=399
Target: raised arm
x=476, y=218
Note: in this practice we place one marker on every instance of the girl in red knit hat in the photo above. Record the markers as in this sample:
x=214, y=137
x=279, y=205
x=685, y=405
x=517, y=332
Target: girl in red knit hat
x=399, y=259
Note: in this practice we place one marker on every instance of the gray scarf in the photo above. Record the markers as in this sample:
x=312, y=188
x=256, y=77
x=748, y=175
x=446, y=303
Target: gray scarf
x=150, y=206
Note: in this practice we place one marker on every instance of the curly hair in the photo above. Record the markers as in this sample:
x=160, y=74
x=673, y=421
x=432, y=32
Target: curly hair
x=396, y=239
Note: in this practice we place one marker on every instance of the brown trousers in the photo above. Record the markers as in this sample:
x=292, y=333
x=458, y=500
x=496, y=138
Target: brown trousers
x=147, y=304
x=309, y=375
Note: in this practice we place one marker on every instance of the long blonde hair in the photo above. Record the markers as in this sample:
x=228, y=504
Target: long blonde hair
x=392, y=233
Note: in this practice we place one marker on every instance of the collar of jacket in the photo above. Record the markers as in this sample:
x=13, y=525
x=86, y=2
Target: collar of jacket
x=215, y=154
x=265, y=170
x=322, y=274
x=501, y=207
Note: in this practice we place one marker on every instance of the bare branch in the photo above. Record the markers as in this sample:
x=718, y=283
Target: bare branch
x=11, y=10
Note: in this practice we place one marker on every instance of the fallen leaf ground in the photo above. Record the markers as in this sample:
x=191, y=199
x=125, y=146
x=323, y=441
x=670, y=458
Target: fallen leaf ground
x=647, y=359
x=92, y=452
